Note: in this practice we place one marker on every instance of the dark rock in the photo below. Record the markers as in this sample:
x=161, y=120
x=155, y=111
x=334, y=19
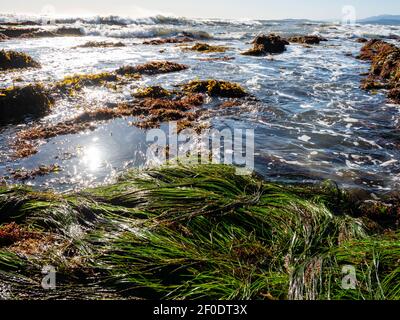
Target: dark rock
x=39, y=34
x=157, y=42
x=263, y=45
x=361, y=40
x=17, y=32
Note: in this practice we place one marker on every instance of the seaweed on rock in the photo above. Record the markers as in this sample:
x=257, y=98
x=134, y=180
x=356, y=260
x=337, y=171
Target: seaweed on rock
x=263, y=45
x=206, y=48
x=152, y=68
x=385, y=67
x=16, y=60
x=18, y=103
x=215, y=88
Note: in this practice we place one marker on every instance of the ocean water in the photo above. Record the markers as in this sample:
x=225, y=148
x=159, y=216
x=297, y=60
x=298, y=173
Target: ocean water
x=312, y=121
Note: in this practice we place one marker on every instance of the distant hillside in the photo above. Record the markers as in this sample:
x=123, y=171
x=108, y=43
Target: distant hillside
x=382, y=19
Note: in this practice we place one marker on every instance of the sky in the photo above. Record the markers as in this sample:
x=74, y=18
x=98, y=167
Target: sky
x=228, y=9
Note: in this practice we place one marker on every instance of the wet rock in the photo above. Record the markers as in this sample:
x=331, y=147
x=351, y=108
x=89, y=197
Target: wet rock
x=16, y=60
x=157, y=42
x=69, y=32
x=263, y=45
x=152, y=68
x=307, y=39
x=18, y=103
x=101, y=44
x=226, y=58
x=39, y=34
x=3, y=37
x=362, y=40
x=215, y=88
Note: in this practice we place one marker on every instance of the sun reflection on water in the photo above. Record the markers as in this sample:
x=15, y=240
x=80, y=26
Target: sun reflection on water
x=92, y=158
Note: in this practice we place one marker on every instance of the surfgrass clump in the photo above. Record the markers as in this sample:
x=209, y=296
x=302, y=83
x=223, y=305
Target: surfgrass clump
x=195, y=232
x=16, y=60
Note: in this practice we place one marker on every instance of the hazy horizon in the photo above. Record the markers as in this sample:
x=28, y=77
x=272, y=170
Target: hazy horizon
x=233, y=9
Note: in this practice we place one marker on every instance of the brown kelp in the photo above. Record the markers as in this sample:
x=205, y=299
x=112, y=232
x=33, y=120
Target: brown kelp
x=16, y=60
x=18, y=103
x=385, y=67
x=195, y=232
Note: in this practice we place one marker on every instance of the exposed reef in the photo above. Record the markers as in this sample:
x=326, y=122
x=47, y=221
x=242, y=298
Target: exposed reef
x=263, y=45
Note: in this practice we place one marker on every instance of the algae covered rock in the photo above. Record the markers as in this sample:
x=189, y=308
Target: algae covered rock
x=215, y=88
x=18, y=103
x=152, y=92
x=16, y=60
x=206, y=48
x=73, y=83
x=307, y=39
x=385, y=67
x=263, y=45
x=152, y=68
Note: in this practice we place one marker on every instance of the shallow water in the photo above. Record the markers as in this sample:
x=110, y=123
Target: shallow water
x=313, y=122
